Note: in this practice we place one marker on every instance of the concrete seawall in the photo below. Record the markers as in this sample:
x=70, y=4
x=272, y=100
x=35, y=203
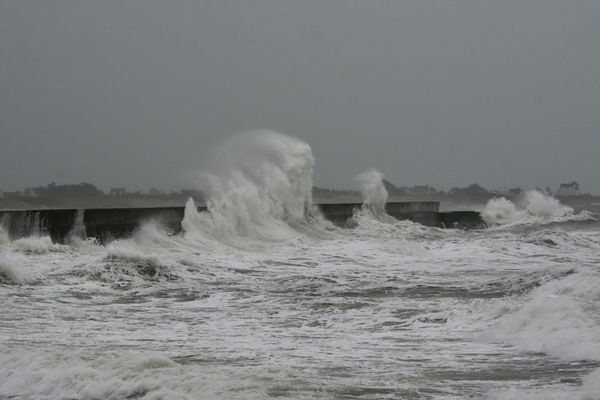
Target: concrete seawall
x=106, y=224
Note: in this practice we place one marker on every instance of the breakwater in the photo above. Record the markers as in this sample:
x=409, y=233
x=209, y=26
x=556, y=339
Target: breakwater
x=106, y=224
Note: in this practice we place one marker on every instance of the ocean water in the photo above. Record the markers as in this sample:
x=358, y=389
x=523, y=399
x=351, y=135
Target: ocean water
x=261, y=298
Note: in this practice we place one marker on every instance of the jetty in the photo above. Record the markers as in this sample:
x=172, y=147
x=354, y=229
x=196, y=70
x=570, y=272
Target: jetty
x=106, y=224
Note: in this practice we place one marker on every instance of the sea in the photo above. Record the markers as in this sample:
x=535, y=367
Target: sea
x=260, y=297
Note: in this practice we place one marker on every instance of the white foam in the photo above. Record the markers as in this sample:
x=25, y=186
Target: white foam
x=258, y=186
x=535, y=207
x=559, y=318
x=372, y=212
x=144, y=375
x=12, y=271
x=543, y=206
x=150, y=234
x=34, y=245
x=373, y=190
x=500, y=212
x=78, y=231
x=129, y=255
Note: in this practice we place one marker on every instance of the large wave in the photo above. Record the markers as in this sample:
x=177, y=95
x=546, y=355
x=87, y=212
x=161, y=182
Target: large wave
x=560, y=318
x=258, y=185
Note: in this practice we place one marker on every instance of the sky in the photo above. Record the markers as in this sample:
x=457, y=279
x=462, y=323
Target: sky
x=138, y=93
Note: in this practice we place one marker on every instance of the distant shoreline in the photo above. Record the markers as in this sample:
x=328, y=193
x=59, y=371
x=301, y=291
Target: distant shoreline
x=449, y=202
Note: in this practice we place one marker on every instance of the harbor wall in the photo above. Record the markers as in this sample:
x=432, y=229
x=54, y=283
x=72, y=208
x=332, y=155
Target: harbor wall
x=106, y=224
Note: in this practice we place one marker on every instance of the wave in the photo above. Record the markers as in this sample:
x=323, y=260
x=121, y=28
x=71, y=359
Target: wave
x=128, y=375
x=12, y=272
x=585, y=244
x=375, y=197
x=151, y=234
x=373, y=190
x=37, y=245
x=559, y=318
x=258, y=188
x=535, y=208
x=122, y=265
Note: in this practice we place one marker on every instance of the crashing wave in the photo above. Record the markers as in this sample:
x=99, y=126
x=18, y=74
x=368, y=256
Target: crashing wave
x=259, y=186
x=10, y=273
x=373, y=190
x=375, y=197
x=536, y=207
x=37, y=245
x=559, y=318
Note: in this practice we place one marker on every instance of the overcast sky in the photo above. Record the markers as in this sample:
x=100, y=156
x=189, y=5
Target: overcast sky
x=138, y=93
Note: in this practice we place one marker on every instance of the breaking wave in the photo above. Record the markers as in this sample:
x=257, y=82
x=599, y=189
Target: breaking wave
x=536, y=207
x=37, y=245
x=559, y=318
x=11, y=272
x=128, y=375
x=259, y=186
x=375, y=195
x=564, y=326
x=373, y=190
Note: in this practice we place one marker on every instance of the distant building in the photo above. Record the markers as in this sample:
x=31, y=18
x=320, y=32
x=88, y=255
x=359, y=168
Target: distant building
x=568, y=189
x=117, y=192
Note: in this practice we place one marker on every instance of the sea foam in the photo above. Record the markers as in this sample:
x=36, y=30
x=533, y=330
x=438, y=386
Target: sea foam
x=258, y=185
x=373, y=190
x=559, y=318
x=535, y=207
x=12, y=272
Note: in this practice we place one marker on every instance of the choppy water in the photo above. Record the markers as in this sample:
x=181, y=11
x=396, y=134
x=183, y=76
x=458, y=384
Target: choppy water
x=384, y=310
x=260, y=298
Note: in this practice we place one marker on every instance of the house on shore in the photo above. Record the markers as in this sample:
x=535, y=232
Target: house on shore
x=568, y=189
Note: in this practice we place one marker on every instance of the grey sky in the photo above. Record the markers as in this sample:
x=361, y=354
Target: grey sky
x=137, y=93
